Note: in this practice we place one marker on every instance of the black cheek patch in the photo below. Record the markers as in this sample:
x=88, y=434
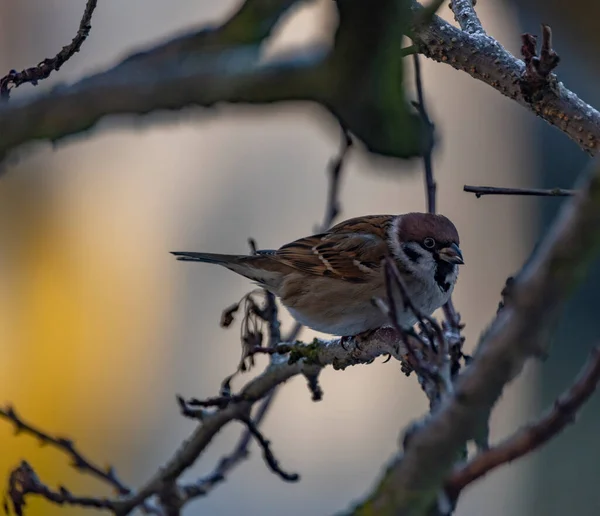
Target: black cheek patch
x=442, y=270
x=412, y=255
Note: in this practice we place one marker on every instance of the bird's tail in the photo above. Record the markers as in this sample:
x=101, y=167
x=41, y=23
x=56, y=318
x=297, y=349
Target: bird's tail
x=258, y=267
x=222, y=259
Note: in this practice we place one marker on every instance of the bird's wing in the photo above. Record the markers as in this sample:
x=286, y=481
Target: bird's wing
x=351, y=250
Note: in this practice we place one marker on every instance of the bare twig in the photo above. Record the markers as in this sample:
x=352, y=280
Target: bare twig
x=465, y=16
x=47, y=66
x=79, y=461
x=321, y=353
x=332, y=208
x=430, y=184
x=534, y=435
x=268, y=454
x=204, y=485
x=539, y=192
x=432, y=360
x=24, y=481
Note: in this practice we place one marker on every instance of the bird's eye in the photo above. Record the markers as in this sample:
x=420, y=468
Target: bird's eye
x=429, y=243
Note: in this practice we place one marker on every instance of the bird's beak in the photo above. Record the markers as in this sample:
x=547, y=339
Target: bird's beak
x=452, y=254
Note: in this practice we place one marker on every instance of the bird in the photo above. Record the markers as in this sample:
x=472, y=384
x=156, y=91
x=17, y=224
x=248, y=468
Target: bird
x=327, y=281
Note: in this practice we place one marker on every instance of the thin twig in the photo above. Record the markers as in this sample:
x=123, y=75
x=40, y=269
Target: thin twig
x=419, y=363
x=430, y=184
x=204, y=485
x=268, y=454
x=47, y=66
x=79, y=461
x=536, y=434
x=332, y=208
x=539, y=192
x=23, y=480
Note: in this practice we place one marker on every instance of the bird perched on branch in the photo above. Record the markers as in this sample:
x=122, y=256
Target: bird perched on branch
x=328, y=281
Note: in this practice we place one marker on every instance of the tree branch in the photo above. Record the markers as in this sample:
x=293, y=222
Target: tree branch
x=319, y=353
x=485, y=59
x=210, y=66
x=216, y=65
x=496, y=190
x=24, y=481
x=465, y=15
x=520, y=331
x=534, y=435
x=49, y=65
x=79, y=461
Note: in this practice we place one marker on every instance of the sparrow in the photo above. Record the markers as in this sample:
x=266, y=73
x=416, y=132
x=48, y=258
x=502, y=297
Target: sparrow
x=327, y=281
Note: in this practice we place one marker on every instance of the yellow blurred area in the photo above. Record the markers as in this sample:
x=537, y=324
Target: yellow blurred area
x=66, y=317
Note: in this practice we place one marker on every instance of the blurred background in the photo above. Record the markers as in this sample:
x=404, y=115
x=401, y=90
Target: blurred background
x=100, y=327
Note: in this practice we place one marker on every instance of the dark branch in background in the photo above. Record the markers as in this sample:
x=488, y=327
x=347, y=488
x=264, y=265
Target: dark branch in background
x=534, y=435
x=49, y=65
x=144, y=82
x=199, y=64
x=495, y=190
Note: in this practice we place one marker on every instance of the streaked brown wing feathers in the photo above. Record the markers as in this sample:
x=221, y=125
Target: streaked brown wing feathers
x=351, y=250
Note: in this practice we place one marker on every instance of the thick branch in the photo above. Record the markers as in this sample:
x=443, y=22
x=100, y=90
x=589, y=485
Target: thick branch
x=229, y=76
x=220, y=65
x=535, y=435
x=483, y=58
x=519, y=332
